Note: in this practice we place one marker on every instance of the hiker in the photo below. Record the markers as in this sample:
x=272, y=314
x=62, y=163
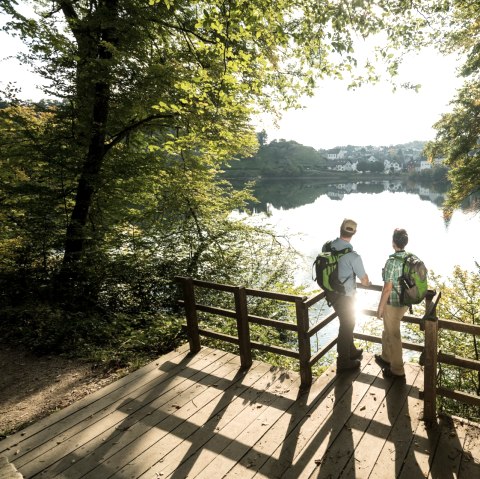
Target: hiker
x=350, y=266
x=391, y=310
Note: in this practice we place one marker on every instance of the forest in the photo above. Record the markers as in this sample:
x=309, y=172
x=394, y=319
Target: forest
x=114, y=184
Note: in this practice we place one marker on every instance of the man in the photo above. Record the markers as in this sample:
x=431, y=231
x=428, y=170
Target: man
x=350, y=266
x=391, y=310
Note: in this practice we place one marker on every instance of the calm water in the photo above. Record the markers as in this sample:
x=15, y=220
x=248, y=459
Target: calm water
x=311, y=213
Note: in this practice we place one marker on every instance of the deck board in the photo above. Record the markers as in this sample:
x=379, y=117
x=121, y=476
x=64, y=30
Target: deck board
x=202, y=416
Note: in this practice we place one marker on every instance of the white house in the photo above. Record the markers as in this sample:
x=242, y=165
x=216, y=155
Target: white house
x=336, y=154
x=388, y=166
x=425, y=165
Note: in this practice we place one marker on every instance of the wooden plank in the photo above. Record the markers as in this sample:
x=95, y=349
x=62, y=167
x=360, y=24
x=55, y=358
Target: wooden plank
x=315, y=329
x=224, y=448
x=274, y=323
x=96, y=436
x=319, y=354
x=54, y=437
x=448, y=454
x=371, y=412
x=470, y=460
x=209, y=430
x=309, y=439
x=265, y=446
x=220, y=287
x=272, y=295
x=154, y=444
x=222, y=464
x=450, y=325
x=388, y=436
x=200, y=416
x=396, y=453
x=98, y=456
x=424, y=442
x=91, y=401
x=314, y=298
x=455, y=360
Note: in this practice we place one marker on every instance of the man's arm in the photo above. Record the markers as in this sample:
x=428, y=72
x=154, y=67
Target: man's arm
x=359, y=270
x=387, y=289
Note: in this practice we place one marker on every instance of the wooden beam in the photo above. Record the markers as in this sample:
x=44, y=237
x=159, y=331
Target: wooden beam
x=243, y=329
x=191, y=315
x=304, y=347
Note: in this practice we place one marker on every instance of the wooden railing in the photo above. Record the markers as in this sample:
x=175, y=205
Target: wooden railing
x=429, y=323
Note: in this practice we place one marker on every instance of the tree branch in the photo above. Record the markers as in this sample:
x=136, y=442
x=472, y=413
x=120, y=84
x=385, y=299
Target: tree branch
x=118, y=137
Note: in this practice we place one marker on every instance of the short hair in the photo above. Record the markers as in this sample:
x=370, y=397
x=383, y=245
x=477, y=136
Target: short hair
x=400, y=237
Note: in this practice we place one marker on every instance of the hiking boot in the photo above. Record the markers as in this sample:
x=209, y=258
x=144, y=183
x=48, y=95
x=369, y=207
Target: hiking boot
x=357, y=354
x=381, y=362
x=348, y=365
x=387, y=373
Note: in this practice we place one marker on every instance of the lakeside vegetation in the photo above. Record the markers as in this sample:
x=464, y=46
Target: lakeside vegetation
x=290, y=159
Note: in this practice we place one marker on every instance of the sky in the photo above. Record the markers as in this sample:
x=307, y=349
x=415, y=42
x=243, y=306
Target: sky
x=334, y=116
x=373, y=114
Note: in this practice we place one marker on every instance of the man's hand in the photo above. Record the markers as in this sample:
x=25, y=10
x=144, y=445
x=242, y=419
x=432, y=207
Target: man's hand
x=365, y=281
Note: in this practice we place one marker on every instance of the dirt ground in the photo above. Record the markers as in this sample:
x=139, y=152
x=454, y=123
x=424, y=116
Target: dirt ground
x=33, y=387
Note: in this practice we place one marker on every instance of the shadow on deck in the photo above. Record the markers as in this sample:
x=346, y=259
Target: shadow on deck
x=202, y=416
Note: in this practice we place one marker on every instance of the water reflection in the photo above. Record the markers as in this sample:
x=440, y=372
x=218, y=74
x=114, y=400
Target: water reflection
x=287, y=194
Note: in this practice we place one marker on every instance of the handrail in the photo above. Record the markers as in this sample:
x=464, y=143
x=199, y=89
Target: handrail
x=429, y=323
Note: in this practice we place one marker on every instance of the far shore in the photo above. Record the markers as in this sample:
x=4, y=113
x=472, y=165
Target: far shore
x=328, y=176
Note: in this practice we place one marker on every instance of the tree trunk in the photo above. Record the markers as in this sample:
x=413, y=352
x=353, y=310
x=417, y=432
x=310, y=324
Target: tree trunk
x=93, y=47
x=76, y=232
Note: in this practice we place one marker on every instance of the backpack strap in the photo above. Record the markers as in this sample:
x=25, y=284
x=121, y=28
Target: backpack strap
x=404, y=260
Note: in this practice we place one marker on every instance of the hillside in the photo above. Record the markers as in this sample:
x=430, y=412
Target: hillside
x=290, y=159
x=280, y=159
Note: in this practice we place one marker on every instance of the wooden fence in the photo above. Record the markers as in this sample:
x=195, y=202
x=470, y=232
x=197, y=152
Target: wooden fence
x=429, y=323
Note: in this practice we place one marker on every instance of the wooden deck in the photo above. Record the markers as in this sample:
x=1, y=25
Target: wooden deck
x=200, y=416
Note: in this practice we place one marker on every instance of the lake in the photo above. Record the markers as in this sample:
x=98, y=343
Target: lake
x=310, y=213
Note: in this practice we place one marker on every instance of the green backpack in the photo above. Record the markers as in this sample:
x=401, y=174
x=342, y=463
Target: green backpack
x=413, y=282
x=326, y=268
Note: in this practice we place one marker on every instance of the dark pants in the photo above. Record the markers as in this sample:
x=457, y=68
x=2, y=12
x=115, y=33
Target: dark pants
x=344, y=306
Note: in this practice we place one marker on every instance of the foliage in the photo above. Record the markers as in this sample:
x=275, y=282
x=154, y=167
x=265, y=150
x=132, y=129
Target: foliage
x=435, y=176
x=279, y=159
x=460, y=302
x=372, y=166
x=458, y=141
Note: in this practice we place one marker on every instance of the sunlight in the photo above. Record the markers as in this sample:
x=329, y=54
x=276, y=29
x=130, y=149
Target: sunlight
x=365, y=300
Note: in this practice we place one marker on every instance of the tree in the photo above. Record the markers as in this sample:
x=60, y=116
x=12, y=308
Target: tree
x=182, y=77
x=460, y=302
x=262, y=137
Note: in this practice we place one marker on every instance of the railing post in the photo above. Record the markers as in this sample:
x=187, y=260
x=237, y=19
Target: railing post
x=191, y=315
x=304, y=347
x=241, y=310
x=430, y=364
